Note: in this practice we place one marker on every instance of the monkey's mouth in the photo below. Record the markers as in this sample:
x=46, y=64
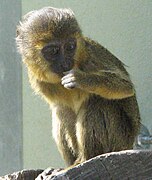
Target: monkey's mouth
x=61, y=71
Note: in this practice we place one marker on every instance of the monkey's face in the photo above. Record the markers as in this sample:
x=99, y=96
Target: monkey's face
x=48, y=40
x=60, y=55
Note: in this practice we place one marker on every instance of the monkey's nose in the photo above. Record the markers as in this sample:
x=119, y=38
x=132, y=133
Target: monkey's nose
x=67, y=65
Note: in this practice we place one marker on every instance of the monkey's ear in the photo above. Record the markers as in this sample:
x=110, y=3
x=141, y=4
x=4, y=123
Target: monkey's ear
x=24, y=18
x=18, y=31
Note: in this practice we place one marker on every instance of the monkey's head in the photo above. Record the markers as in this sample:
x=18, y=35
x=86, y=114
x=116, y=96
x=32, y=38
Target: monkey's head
x=48, y=40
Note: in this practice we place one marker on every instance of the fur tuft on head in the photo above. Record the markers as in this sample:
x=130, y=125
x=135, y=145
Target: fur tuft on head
x=57, y=22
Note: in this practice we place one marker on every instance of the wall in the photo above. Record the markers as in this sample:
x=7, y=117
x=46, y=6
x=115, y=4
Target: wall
x=124, y=27
x=10, y=90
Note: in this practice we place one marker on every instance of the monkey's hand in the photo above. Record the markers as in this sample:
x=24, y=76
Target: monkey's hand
x=69, y=80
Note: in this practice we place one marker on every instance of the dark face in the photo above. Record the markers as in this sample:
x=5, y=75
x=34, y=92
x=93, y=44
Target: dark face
x=60, y=54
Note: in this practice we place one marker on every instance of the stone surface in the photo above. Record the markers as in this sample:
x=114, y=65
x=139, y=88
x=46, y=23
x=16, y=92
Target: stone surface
x=123, y=165
x=22, y=175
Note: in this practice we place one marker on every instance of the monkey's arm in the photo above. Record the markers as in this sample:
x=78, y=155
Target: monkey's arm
x=110, y=84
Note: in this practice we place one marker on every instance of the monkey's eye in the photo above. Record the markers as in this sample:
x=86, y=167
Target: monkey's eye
x=70, y=46
x=50, y=50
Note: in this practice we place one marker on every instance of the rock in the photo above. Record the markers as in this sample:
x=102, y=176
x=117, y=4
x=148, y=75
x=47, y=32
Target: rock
x=123, y=165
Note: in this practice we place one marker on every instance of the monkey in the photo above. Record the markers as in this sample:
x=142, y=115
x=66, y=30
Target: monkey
x=90, y=93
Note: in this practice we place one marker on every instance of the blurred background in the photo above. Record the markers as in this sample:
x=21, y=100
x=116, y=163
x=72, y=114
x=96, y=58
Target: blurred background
x=123, y=27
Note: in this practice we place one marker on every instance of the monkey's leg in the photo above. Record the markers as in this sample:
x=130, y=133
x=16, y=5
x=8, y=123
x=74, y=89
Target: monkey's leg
x=102, y=126
x=92, y=130
x=63, y=123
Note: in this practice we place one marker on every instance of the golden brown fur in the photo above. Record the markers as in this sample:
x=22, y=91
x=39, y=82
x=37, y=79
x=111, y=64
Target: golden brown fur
x=94, y=107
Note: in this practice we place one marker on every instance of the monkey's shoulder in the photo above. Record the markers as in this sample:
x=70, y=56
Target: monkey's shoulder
x=101, y=56
x=93, y=45
x=98, y=50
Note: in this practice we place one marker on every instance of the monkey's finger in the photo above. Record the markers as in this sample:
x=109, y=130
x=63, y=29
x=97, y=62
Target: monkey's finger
x=68, y=72
x=67, y=76
x=70, y=85
x=65, y=73
x=67, y=80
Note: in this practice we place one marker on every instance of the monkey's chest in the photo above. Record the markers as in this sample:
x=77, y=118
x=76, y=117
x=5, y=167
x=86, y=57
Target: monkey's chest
x=72, y=99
